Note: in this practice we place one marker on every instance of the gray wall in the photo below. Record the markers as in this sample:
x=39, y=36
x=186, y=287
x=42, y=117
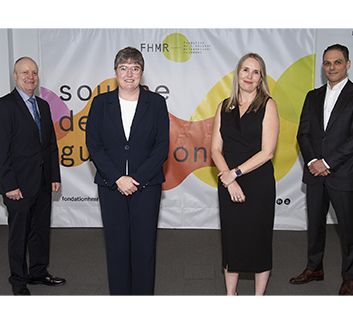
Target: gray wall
x=15, y=43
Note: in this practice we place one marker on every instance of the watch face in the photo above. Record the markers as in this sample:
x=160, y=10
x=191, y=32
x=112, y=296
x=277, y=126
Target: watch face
x=238, y=173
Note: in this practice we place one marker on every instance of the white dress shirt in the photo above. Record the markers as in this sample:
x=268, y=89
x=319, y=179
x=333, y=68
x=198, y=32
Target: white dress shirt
x=331, y=98
x=330, y=101
x=128, y=109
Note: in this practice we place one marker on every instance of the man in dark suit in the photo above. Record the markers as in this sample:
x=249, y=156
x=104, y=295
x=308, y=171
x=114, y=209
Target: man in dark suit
x=325, y=137
x=29, y=172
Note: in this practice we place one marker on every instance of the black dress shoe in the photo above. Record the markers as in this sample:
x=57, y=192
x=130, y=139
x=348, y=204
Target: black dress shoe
x=346, y=288
x=21, y=291
x=48, y=280
x=306, y=276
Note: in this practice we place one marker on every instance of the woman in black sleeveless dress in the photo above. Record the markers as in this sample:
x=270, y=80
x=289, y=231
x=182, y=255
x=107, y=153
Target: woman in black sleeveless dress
x=243, y=142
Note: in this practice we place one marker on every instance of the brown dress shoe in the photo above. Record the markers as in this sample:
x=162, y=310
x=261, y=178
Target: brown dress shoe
x=346, y=288
x=306, y=276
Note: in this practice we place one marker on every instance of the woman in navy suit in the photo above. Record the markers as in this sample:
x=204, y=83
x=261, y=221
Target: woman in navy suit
x=127, y=136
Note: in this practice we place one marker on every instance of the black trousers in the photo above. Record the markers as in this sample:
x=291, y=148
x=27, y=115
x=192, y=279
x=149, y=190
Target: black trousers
x=319, y=197
x=29, y=228
x=130, y=226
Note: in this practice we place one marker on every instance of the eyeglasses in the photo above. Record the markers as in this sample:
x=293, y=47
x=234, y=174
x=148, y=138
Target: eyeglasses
x=123, y=69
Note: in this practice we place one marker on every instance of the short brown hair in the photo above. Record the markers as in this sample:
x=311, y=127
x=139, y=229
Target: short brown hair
x=129, y=54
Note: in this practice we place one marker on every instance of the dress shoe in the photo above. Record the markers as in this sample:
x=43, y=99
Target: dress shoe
x=346, y=288
x=306, y=276
x=21, y=291
x=48, y=280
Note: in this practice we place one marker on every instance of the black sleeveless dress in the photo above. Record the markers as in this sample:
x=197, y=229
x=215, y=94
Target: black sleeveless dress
x=246, y=228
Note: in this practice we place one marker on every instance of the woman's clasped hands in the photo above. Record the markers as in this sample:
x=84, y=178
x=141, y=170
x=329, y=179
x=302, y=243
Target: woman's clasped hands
x=227, y=178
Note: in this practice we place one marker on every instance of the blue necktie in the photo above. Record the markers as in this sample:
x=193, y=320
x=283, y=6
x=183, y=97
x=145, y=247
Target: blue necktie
x=35, y=115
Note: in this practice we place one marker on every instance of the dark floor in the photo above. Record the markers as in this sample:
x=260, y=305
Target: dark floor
x=188, y=263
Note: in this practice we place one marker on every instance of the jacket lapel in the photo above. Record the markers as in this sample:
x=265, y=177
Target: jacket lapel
x=22, y=105
x=340, y=104
x=42, y=115
x=115, y=111
x=25, y=112
x=142, y=107
x=320, y=106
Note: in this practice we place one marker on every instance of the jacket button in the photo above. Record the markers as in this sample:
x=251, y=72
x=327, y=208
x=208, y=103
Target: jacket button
x=127, y=147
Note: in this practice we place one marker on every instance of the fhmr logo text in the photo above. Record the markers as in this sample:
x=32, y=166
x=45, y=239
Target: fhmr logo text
x=175, y=47
x=154, y=47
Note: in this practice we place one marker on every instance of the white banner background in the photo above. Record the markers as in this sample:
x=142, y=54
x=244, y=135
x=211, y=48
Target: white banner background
x=73, y=62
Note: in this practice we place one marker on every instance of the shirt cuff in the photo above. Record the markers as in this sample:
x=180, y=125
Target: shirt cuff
x=326, y=165
x=312, y=161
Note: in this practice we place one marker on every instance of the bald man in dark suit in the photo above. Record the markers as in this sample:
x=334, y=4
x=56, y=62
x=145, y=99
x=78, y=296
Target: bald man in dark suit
x=29, y=172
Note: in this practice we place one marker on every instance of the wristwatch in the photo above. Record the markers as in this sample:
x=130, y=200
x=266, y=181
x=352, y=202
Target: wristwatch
x=238, y=172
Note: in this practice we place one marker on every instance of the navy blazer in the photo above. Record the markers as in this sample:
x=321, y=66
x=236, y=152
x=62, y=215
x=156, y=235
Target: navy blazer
x=23, y=158
x=145, y=150
x=335, y=144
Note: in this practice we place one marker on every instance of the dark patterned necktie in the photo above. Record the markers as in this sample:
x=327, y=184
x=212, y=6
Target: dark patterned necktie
x=36, y=115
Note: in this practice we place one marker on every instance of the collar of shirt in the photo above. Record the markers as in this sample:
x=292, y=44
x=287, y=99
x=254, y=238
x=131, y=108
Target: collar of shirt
x=337, y=87
x=24, y=95
x=331, y=97
x=25, y=98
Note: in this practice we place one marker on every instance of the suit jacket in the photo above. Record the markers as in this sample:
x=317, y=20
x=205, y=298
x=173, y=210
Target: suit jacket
x=145, y=150
x=24, y=160
x=335, y=144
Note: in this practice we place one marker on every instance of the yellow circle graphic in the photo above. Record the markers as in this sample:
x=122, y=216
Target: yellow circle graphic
x=178, y=48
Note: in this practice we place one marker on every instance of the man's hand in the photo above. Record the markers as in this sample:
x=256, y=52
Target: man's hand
x=14, y=194
x=318, y=168
x=55, y=186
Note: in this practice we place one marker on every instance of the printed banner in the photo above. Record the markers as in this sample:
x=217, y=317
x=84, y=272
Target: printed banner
x=193, y=70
